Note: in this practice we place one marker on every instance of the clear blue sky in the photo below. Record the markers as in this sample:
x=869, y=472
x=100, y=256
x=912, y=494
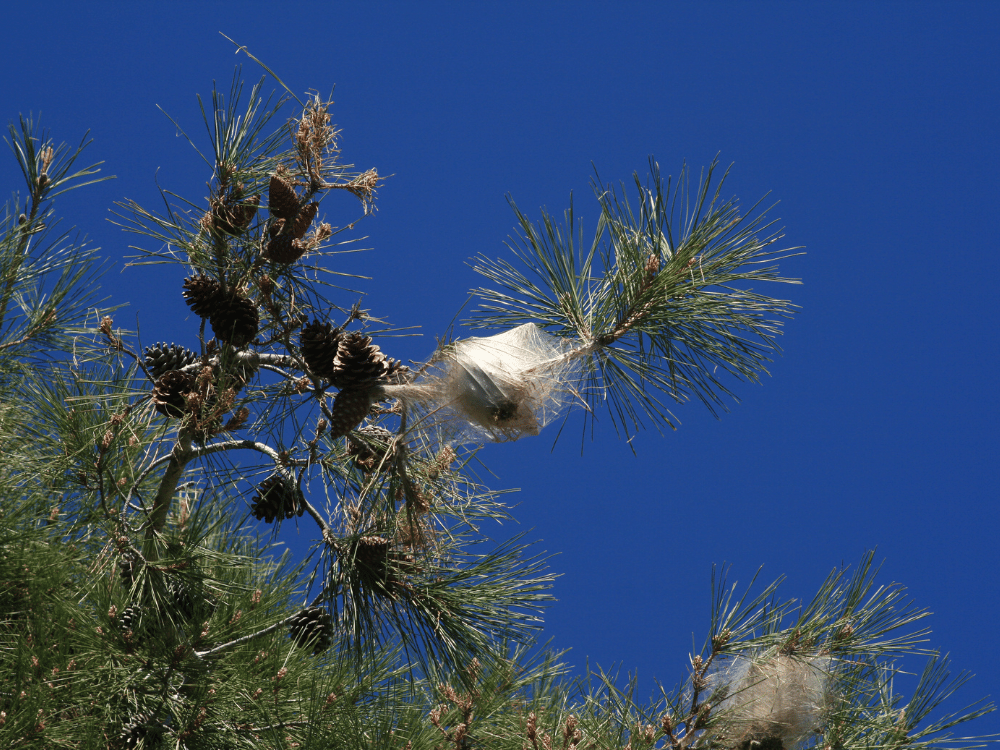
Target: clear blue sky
x=875, y=125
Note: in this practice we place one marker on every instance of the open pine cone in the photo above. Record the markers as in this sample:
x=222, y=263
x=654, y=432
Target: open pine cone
x=142, y=729
x=319, y=343
x=276, y=498
x=129, y=619
x=358, y=364
x=161, y=358
x=202, y=294
x=396, y=372
x=312, y=626
x=235, y=319
x=368, y=446
x=171, y=391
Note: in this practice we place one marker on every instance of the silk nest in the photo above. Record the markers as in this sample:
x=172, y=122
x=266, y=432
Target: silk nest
x=497, y=388
x=784, y=697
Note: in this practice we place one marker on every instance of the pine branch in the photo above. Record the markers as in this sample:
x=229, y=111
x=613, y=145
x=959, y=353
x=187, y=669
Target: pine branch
x=658, y=302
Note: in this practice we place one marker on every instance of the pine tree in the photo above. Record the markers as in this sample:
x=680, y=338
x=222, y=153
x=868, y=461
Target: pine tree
x=141, y=602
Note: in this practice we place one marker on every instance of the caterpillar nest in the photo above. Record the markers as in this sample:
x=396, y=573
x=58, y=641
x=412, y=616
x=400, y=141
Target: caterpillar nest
x=498, y=388
x=783, y=698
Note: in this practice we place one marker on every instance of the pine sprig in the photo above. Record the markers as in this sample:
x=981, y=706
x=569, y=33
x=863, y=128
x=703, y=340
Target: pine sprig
x=45, y=277
x=661, y=298
x=419, y=580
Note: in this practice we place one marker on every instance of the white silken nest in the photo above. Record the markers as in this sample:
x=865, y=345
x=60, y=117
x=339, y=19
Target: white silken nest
x=783, y=697
x=497, y=388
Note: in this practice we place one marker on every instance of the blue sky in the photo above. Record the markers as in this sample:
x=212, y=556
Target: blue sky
x=875, y=125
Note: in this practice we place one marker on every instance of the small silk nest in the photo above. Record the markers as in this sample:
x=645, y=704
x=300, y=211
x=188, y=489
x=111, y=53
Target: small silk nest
x=782, y=697
x=498, y=388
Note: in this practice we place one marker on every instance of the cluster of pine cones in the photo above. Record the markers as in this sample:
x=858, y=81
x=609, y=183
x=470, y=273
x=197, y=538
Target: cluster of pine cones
x=178, y=392
x=348, y=361
x=290, y=221
x=166, y=363
x=234, y=317
x=233, y=212
x=352, y=364
x=187, y=601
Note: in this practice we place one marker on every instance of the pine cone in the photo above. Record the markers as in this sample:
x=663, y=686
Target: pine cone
x=202, y=294
x=358, y=364
x=171, y=391
x=161, y=358
x=282, y=201
x=762, y=741
x=183, y=601
x=238, y=374
x=235, y=320
x=235, y=219
x=319, y=342
x=369, y=446
x=284, y=248
x=372, y=554
x=312, y=626
x=188, y=599
x=128, y=566
x=349, y=409
x=130, y=617
x=304, y=218
x=276, y=498
x=288, y=229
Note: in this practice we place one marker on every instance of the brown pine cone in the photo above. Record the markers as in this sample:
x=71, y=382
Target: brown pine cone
x=276, y=498
x=348, y=411
x=282, y=201
x=235, y=218
x=396, y=372
x=312, y=626
x=319, y=342
x=372, y=554
x=171, y=391
x=235, y=320
x=237, y=374
x=284, y=248
x=128, y=567
x=358, y=364
x=304, y=218
x=161, y=358
x=202, y=294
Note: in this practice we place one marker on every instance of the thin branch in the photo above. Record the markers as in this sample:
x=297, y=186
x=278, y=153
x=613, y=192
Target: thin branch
x=246, y=638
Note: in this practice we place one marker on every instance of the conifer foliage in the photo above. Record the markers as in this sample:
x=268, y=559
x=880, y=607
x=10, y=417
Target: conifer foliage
x=142, y=600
